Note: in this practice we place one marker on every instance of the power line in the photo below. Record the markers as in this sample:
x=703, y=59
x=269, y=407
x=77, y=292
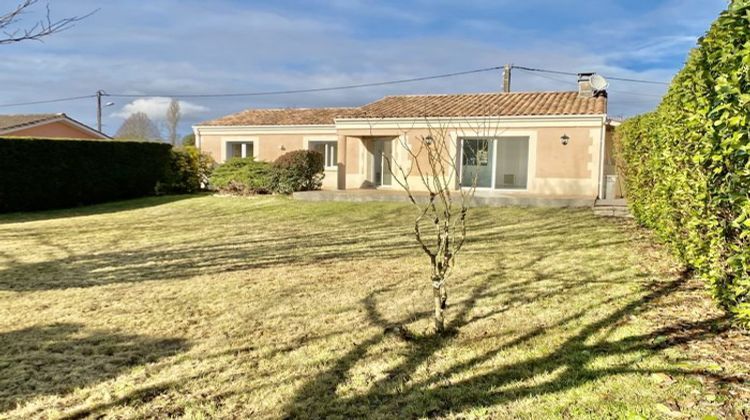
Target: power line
x=535, y=71
x=544, y=76
x=566, y=73
x=325, y=89
x=619, y=92
x=47, y=101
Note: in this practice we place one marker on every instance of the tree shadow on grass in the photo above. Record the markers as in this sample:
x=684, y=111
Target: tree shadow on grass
x=397, y=395
x=56, y=359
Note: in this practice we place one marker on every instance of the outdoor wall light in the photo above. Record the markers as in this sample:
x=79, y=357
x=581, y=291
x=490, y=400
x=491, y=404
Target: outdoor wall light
x=565, y=139
x=281, y=147
x=428, y=140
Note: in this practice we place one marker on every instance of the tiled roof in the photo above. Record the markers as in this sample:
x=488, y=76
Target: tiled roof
x=8, y=122
x=283, y=116
x=484, y=105
x=417, y=106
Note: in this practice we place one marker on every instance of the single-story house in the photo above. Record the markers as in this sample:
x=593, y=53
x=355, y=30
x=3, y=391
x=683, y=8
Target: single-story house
x=538, y=143
x=47, y=126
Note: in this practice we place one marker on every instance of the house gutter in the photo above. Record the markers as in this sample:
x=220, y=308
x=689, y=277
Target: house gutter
x=602, y=144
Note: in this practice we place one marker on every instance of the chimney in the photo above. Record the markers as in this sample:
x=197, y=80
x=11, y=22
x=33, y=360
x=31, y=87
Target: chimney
x=585, y=90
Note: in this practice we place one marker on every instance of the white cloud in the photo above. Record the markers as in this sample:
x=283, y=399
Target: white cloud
x=156, y=108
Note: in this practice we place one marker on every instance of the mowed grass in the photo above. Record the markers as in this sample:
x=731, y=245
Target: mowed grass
x=205, y=307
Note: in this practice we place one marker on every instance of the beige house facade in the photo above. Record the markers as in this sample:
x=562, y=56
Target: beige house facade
x=551, y=144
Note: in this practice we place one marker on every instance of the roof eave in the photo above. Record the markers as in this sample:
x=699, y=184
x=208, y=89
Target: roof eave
x=483, y=117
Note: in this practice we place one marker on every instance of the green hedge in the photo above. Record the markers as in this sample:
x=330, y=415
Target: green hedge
x=37, y=174
x=243, y=176
x=687, y=166
x=189, y=171
x=298, y=170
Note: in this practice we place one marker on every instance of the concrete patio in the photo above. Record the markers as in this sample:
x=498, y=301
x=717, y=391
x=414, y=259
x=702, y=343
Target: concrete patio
x=481, y=198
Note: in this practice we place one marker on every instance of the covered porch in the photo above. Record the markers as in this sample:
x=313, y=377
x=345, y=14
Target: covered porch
x=498, y=164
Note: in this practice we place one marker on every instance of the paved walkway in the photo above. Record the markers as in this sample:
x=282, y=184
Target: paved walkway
x=481, y=198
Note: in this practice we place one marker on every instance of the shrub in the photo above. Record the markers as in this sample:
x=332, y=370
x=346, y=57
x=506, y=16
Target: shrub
x=299, y=170
x=189, y=171
x=242, y=176
x=687, y=165
x=42, y=174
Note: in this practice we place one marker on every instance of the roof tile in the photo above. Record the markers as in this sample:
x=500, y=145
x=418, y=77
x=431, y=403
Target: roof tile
x=18, y=121
x=283, y=116
x=484, y=105
x=420, y=106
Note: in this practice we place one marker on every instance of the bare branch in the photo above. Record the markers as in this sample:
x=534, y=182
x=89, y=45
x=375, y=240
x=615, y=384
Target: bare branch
x=437, y=167
x=39, y=29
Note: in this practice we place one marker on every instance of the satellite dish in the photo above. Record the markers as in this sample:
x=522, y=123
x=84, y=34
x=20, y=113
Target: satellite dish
x=598, y=82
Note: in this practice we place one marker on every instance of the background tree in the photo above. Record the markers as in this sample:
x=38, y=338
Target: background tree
x=189, y=140
x=440, y=222
x=173, y=120
x=138, y=126
x=12, y=32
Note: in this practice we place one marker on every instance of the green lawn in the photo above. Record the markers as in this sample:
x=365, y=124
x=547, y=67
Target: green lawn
x=265, y=307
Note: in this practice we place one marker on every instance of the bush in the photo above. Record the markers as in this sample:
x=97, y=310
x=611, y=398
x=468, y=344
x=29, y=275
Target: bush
x=687, y=165
x=40, y=174
x=299, y=170
x=189, y=171
x=242, y=176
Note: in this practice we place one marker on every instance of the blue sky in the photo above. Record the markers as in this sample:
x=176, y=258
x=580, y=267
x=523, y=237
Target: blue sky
x=171, y=47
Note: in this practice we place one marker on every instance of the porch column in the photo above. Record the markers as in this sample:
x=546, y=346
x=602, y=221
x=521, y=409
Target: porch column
x=341, y=162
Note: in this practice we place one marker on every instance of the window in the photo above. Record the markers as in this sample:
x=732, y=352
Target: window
x=240, y=149
x=326, y=148
x=476, y=162
x=512, y=166
x=500, y=163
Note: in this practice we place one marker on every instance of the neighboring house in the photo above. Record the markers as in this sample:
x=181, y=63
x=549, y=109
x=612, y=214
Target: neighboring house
x=46, y=126
x=540, y=143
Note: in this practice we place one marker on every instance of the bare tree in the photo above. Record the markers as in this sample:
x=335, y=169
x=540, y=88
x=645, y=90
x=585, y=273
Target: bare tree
x=173, y=120
x=138, y=126
x=36, y=31
x=443, y=210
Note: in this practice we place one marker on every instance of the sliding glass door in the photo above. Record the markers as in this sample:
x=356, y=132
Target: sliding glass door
x=382, y=163
x=477, y=156
x=496, y=163
x=512, y=165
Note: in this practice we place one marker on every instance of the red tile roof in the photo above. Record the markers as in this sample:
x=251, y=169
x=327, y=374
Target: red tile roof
x=283, y=116
x=8, y=122
x=484, y=105
x=418, y=106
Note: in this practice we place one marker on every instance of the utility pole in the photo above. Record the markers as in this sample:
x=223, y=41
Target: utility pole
x=506, y=77
x=99, y=94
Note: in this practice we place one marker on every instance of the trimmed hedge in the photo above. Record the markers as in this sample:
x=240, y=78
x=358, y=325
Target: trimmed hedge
x=189, y=171
x=687, y=164
x=38, y=174
x=298, y=170
x=242, y=176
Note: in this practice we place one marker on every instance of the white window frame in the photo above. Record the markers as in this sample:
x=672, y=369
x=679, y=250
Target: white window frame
x=306, y=140
x=244, y=142
x=331, y=152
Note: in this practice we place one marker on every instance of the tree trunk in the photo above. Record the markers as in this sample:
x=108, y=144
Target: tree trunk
x=441, y=297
